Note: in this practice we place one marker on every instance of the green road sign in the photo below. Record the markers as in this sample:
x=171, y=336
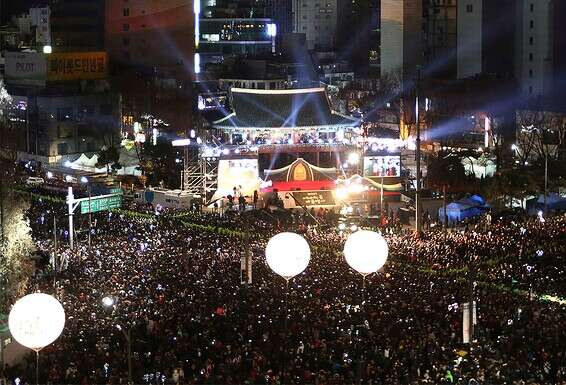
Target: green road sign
x=101, y=204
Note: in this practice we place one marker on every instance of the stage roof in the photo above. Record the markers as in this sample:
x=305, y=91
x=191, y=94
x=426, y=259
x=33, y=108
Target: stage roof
x=293, y=109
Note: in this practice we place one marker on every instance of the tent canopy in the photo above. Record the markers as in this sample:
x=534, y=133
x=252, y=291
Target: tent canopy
x=553, y=202
x=464, y=208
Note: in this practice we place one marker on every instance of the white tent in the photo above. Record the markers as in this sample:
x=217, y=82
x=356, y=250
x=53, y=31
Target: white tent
x=128, y=160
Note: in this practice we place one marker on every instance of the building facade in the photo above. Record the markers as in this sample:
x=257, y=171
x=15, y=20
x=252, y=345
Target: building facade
x=401, y=37
x=516, y=39
x=469, y=38
x=151, y=34
x=77, y=25
x=52, y=126
x=61, y=104
x=440, y=37
x=317, y=19
x=534, y=47
x=281, y=11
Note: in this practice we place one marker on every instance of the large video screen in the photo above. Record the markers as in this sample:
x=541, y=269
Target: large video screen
x=378, y=166
x=240, y=173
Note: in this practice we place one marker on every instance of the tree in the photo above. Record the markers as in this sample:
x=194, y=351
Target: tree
x=539, y=134
x=15, y=249
x=155, y=160
x=109, y=157
x=512, y=185
x=446, y=170
x=5, y=102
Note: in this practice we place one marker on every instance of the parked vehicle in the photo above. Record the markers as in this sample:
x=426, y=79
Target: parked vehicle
x=34, y=181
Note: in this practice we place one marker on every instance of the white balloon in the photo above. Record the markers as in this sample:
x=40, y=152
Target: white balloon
x=36, y=320
x=287, y=254
x=366, y=251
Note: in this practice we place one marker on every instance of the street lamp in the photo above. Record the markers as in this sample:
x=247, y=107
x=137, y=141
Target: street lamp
x=85, y=180
x=109, y=303
x=353, y=158
x=36, y=321
x=366, y=252
x=287, y=254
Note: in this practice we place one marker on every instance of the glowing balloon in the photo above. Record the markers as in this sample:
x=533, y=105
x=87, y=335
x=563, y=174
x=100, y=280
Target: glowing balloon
x=36, y=320
x=366, y=251
x=287, y=254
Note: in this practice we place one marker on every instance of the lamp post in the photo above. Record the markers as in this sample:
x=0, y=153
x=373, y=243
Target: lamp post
x=54, y=248
x=366, y=252
x=36, y=321
x=287, y=254
x=85, y=180
x=418, y=218
x=109, y=303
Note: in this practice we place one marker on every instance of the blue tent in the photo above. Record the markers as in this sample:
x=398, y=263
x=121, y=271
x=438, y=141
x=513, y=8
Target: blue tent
x=464, y=208
x=554, y=202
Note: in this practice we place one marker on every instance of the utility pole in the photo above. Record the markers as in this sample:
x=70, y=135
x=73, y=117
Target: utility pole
x=128, y=336
x=381, y=195
x=471, y=300
x=70, y=201
x=418, y=224
x=545, y=179
x=54, y=248
x=445, y=217
x=2, y=225
x=89, y=186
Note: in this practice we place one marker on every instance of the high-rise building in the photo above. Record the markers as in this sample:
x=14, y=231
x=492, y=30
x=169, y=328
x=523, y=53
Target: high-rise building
x=151, y=33
x=357, y=35
x=534, y=47
x=401, y=37
x=512, y=39
x=559, y=51
x=231, y=28
x=317, y=19
x=281, y=11
x=469, y=38
x=440, y=30
x=486, y=32
x=77, y=25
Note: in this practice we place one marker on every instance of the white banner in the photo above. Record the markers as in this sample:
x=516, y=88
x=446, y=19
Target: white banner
x=466, y=321
x=26, y=68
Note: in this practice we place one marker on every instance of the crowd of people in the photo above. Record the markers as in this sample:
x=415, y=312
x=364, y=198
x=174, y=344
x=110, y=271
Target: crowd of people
x=177, y=295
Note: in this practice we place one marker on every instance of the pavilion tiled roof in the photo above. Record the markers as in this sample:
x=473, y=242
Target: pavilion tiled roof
x=293, y=108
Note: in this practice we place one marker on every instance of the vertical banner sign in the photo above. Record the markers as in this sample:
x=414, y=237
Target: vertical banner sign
x=243, y=268
x=246, y=269
x=249, y=267
x=466, y=321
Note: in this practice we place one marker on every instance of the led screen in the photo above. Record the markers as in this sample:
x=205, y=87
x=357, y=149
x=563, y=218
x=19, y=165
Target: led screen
x=240, y=173
x=378, y=166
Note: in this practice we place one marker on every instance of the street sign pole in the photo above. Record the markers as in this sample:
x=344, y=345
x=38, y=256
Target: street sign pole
x=89, y=214
x=70, y=201
x=95, y=204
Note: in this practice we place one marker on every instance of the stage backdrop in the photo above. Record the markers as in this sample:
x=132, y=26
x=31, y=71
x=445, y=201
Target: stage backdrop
x=235, y=173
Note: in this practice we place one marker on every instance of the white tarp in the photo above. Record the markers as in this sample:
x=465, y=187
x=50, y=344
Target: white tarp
x=128, y=160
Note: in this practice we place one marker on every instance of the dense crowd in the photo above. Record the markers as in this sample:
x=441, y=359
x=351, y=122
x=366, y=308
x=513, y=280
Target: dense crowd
x=178, y=293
